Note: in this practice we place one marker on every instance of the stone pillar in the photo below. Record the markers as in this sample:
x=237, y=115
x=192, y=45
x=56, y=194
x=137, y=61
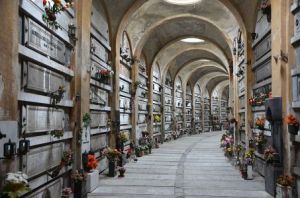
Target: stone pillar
x=81, y=82
x=10, y=72
x=281, y=78
x=249, y=77
x=9, y=66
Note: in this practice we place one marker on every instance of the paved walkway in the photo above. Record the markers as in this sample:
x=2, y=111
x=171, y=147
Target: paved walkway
x=190, y=167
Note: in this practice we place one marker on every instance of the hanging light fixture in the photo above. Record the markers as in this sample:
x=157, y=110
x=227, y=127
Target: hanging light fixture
x=192, y=40
x=182, y=2
x=24, y=147
x=9, y=149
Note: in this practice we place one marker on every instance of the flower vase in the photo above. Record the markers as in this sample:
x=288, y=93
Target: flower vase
x=111, y=168
x=293, y=129
x=78, y=190
x=249, y=172
x=244, y=174
x=284, y=191
x=122, y=172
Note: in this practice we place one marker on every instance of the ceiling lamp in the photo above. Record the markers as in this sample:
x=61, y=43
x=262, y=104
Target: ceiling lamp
x=182, y=2
x=192, y=40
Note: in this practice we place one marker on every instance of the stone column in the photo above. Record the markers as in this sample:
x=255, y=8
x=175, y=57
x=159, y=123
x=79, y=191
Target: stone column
x=282, y=27
x=10, y=72
x=81, y=82
x=249, y=78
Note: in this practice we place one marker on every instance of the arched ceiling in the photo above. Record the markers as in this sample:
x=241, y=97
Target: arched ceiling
x=155, y=28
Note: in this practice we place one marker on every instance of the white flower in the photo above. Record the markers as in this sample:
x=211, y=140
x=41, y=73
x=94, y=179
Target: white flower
x=18, y=177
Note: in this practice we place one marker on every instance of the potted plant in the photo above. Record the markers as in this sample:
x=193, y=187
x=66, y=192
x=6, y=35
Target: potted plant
x=260, y=142
x=249, y=161
x=284, y=186
x=269, y=155
x=112, y=155
x=293, y=124
x=14, y=185
x=243, y=170
x=78, y=177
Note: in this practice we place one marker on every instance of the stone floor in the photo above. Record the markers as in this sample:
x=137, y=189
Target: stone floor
x=190, y=167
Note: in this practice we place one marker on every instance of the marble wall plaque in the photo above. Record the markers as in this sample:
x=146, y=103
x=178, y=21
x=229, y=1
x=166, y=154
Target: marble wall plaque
x=98, y=119
x=125, y=103
x=143, y=80
x=41, y=79
x=41, y=119
x=156, y=87
x=142, y=106
x=297, y=24
x=142, y=118
x=99, y=141
x=168, y=91
x=125, y=86
x=44, y=42
x=263, y=47
x=156, y=97
x=53, y=189
x=99, y=50
x=168, y=127
x=41, y=159
x=99, y=21
x=142, y=93
x=98, y=96
x=156, y=129
x=168, y=118
x=167, y=108
x=178, y=94
x=156, y=108
x=124, y=119
x=125, y=71
x=263, y=72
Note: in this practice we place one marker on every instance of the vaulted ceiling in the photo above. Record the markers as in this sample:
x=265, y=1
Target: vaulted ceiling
x=156, y=29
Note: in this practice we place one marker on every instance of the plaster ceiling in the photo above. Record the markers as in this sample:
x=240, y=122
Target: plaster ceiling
x=156, y=27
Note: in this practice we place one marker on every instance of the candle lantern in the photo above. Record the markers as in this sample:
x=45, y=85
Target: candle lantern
x=24, y=146
x=9, y=149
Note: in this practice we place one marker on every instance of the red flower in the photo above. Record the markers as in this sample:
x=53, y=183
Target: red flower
x=92, y=162
x=44, y=2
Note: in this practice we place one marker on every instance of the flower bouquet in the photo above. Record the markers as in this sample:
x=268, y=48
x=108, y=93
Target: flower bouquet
x=123, y=137
x=260, y=123
x=269, y=155
x=66, y=193
x=104, y=75
x=293, y=124
x=92, y=162
x=260, y=142
x=111, y=154
x=15, y=184
x=249, y=157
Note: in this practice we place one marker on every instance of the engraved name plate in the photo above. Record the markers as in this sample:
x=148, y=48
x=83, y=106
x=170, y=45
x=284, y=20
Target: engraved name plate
x=168, y=91
x=125, y=103
x=41, y=119
x=142, y=106
x=99, y=141
x=41, y=79
x=124, y=119
x=99, y=50
x=156, y=97
x=125, y=86
x=142, y=118
x=98, y=119
x=43, y=158
x=44, y=42
x=98, y=96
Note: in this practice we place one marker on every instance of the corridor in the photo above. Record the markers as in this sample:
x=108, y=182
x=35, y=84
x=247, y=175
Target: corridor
x=193, y=166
